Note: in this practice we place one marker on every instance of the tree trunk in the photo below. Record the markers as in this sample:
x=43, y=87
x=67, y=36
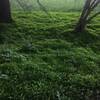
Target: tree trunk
x=80, y=27
x=5, y=11
x=85, y=17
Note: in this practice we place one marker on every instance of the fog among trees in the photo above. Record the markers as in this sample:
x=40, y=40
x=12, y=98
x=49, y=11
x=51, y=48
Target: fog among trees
x=49, y=49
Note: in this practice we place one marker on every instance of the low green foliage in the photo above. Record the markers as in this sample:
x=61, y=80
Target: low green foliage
x=42, y=59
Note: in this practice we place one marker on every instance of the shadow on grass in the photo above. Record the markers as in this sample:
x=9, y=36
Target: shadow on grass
x=83, y=38
x=7, y=30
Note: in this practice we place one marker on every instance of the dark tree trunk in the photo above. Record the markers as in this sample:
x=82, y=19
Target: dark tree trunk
x=5, y=12
x=85, y=16
x=80, y=27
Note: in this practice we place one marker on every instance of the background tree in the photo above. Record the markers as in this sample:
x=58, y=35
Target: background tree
x=89, y=6
x=5, y=12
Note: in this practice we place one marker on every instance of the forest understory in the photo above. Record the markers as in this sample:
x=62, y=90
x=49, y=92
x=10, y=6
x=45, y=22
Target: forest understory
x=41, y=58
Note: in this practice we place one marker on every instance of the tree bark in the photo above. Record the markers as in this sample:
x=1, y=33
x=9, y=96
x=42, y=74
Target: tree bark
x=85, y=16
x=80, y=27
x=5, y=11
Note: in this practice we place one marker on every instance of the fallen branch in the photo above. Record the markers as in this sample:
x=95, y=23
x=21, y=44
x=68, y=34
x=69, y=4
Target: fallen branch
x=89, y=19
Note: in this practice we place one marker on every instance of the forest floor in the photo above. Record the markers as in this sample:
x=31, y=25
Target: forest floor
x=42, y=59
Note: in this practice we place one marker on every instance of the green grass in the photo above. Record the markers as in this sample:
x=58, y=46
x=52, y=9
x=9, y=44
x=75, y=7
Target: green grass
x=42, y=59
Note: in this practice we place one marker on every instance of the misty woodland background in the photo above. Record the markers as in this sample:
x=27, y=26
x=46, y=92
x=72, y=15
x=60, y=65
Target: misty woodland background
x=43, y=58
x=50, y=5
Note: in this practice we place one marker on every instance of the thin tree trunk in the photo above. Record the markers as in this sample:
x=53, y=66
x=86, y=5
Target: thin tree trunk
x=5, y=11
x=85, y=16
x=80, y=27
